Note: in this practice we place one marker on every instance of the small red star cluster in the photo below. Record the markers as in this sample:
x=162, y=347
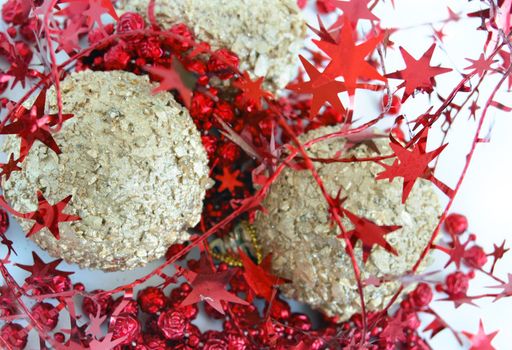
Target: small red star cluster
x=250, y=137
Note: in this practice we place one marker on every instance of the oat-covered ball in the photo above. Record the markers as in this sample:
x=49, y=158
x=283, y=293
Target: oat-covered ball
x=265, y=34
x=298, y=232
x=133, y=162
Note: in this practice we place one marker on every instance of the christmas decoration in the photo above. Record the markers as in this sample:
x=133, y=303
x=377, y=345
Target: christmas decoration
x=266, y=35
x=132, y=170
x=225, y=63
x=320, y=271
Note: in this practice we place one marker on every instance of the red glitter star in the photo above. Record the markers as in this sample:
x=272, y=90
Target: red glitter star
x=410, y=164
x=9, y=167
x=480, y=65
x=49, y=216
x=507, y=288
x=258, y=277
x=355, y=10
x=229, y=180
x=170, y=80
x=369, y=234
x=480, y=340
x=348, y=60
x=252, y=90
x=41, y=270
x=33, y=125
x=418, y=74
x=209, y=286
x=323, y=89
x=498, y=253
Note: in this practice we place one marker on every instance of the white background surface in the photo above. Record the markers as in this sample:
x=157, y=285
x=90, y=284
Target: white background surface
x=484, y=197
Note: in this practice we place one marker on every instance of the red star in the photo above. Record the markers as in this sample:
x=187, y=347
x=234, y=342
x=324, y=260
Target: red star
x=95, y=10
x=348, y=60
x=33, y=125
x=323, y=89
x=418, y=74
x=456, y=252
x=9, y=167
x=355, y=10
x=410, y=165
x=229, y=180
x=498, y=253
x=473, y=108
x=251, y=89
x=480, y=340
x=49, y=216
x=436, y=326
x=370, y=234
x=258, y=277
x=170, y=80
x=480, y=65
x=394, y=330
x=209, y=286
x=507, y=288
x=41, y=270
x=68, y=38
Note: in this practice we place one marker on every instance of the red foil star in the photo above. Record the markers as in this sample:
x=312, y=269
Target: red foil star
x=349, y=59
x=418, y=74
x=209, y=286
x=32, y=125
x=369, y=234
x=323, y=88
x=480, y=340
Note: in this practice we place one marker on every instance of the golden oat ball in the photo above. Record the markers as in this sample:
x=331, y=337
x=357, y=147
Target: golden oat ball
x=133, y=163
x=267, y=35
x=297, y=229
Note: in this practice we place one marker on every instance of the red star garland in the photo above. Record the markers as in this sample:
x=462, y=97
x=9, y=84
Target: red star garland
x=33, y=125
x=369, y=234
x=41, y=270
x=323, y=88
x=252, y=90
x=229, y=180
x=355, y=10
x=349, y=60
x=480, y=66
x=394, y=330
x=507, y=288
x=258, y=277
x=170, y=80
x=456, y=252
x=410, y=164
x=94, y=9
x=418, y=74
x=68, y=38
x=209, y=286
x=498, y=253
x=9, y=167
x=480, y=340
x=46, y=216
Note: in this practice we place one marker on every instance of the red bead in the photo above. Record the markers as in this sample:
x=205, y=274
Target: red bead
x=90, y=305
x=457, y=283
x=116, y=57
x=16, y=11
x=126, y=326
x=456, y=224
x=130, y=21
x=422, y=295
x=174, y=250
x=475, y=257
x=182, y=38
x=395, y=104
x=172, y=324
x=46, y=314
x=223, y=63
x=151, y=300
x=14, y=335
x=4, y=217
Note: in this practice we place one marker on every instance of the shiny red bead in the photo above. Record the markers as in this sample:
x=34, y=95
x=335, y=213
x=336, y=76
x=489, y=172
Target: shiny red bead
x=456, y=224
x=151, y=300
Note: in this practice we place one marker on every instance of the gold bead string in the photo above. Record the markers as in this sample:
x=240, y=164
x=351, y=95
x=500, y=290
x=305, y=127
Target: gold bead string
x=232, y=260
